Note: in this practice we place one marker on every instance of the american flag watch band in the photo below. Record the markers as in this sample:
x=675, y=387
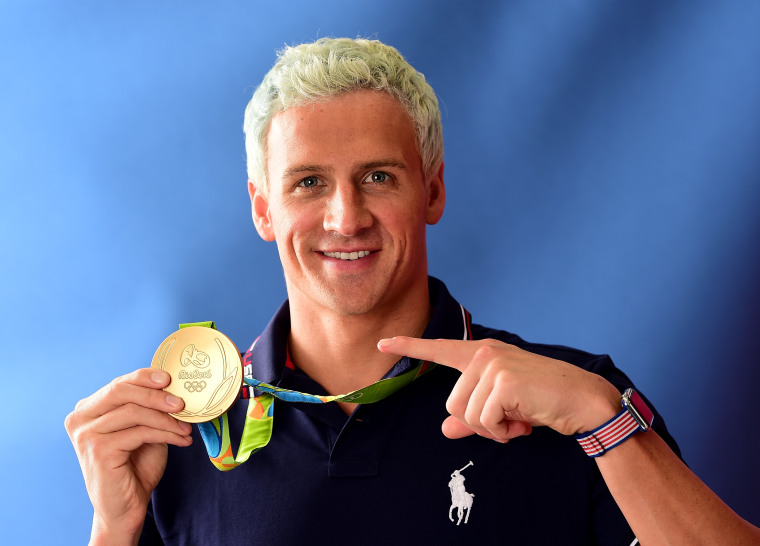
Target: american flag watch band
x=635, y=416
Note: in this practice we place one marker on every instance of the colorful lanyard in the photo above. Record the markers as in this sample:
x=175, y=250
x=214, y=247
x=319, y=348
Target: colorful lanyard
x=257, y=430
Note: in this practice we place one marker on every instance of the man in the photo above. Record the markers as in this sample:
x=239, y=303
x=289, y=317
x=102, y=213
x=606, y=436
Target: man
x=345, y=173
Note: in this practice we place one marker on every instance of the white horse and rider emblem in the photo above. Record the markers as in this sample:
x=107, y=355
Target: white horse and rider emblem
x=460, y=498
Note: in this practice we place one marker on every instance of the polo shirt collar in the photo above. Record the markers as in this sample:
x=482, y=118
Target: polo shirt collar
x=448, y=320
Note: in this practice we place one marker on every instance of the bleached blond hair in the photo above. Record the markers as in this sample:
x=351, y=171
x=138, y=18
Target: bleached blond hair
x=331, y=66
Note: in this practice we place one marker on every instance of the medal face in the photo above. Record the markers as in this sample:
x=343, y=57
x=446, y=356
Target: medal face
x=206, y=371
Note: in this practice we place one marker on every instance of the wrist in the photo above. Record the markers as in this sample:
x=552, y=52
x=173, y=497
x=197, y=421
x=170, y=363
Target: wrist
x=104, y=534
x=634, y=417
x=600, y=408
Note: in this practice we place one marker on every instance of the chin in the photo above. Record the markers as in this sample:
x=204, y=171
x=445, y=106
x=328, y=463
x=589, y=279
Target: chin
x=351, y=308
x=351, y=302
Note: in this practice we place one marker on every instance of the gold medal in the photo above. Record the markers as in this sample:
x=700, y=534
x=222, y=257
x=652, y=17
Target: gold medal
x=206, y=371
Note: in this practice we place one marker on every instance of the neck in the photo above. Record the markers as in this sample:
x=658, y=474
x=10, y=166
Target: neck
x=340, y=351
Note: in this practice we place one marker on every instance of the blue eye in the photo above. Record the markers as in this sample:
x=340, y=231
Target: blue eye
x=310, y=182
x=377, y=176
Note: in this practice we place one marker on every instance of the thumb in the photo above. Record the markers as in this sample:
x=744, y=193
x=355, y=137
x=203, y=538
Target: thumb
x=454, y=428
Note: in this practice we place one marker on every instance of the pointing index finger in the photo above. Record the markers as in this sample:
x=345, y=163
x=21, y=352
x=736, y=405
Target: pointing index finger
x=448, y=352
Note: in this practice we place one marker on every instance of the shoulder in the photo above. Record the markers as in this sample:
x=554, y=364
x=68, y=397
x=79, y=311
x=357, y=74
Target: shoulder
x=583, y=359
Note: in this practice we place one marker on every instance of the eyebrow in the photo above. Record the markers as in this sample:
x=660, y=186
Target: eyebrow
x=390, y=162
x=299, y=169
x=314, y=168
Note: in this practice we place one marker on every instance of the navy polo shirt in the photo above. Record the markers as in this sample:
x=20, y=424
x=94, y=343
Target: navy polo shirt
x=386, y=474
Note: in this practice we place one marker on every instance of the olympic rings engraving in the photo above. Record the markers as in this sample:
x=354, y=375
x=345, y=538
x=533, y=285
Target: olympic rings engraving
x=195, y=386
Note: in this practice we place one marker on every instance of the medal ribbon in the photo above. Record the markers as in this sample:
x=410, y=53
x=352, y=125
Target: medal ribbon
x=257, y=430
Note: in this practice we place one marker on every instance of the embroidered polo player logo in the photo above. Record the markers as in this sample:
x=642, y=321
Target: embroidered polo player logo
x=460, y=498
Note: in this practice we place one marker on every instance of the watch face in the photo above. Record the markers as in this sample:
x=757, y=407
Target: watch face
x=638, y=408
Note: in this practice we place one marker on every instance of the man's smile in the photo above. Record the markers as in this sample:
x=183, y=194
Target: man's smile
x=348, y=255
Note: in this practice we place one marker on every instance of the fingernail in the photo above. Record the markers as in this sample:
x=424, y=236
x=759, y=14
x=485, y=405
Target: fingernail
x=384, y=343
x=158, y=377
x=186, y=427
x=173, y=400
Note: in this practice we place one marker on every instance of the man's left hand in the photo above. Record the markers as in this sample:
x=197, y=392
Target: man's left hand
x=504, y=391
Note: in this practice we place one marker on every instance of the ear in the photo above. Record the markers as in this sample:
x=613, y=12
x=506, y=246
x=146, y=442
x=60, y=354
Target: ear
x=260, y=212
x=436, y=198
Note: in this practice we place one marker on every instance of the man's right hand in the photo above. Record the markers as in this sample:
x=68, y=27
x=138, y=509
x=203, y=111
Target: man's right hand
x=120, y=435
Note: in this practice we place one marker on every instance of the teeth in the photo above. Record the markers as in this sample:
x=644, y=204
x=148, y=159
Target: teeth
x=348, y=255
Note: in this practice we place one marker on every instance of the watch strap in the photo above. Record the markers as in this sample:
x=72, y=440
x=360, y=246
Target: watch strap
x=618, y=429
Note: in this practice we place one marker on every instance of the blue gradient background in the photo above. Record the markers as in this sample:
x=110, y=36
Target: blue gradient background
x=602, y=170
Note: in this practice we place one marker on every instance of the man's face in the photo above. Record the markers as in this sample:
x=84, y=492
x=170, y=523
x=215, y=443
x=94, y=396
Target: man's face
x=347, y=203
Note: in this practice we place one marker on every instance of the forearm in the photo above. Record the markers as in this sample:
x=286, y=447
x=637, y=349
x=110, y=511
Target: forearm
x=666, y=503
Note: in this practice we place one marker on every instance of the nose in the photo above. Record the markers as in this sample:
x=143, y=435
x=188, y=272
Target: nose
x=345, y=210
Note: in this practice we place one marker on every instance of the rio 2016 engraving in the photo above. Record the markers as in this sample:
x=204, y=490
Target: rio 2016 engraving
x=194, y=374
x=195, y=386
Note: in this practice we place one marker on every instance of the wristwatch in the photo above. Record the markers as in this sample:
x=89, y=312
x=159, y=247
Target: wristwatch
x=634, y=417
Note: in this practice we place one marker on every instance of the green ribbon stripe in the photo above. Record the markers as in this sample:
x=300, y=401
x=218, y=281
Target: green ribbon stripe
x=366, y=395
